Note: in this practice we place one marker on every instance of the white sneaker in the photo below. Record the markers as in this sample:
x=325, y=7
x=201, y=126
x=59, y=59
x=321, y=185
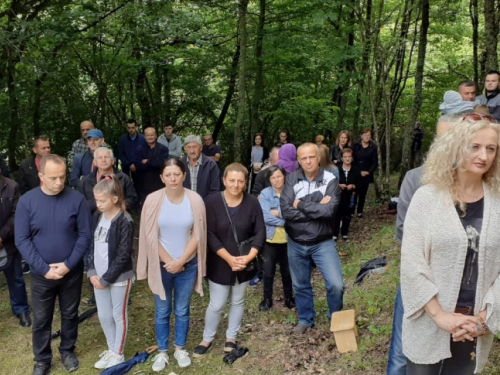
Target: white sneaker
x=115, y=359
x=160, y=360
x=182, y=358
x=105, y=356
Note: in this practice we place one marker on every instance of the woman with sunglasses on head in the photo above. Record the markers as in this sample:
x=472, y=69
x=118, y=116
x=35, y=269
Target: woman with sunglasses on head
x=172, y=254
x=234, y=218
x=366, y=161
x=449, y=260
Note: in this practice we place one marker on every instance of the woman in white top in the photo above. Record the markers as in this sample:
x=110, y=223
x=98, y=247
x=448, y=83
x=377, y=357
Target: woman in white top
x=450, y=255
x=178, y=212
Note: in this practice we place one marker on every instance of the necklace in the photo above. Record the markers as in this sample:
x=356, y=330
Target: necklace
x=475, y=197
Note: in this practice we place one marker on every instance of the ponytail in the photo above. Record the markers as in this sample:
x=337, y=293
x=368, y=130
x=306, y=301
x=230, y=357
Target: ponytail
x=110, y=185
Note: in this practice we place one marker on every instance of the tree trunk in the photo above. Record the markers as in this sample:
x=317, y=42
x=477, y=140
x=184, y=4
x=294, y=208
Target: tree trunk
x=365, y=65
x=229, y=94
x=419, y=80
x=242, y=26
x=142, y=96
x=491, y=35
x=474, y=17
x=259, y=79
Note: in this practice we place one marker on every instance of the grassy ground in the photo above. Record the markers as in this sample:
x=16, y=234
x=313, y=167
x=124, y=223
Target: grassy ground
x=273, y=349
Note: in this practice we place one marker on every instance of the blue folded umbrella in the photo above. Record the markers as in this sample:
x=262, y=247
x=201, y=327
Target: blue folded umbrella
x=126, y=366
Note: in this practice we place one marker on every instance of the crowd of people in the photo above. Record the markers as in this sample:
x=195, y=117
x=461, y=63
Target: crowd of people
x=198, y=224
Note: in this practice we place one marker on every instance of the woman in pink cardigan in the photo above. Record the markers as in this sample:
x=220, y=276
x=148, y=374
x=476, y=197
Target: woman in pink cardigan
x=172, y=255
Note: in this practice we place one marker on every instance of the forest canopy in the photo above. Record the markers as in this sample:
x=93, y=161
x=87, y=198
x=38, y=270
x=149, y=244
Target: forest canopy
x=233, y=68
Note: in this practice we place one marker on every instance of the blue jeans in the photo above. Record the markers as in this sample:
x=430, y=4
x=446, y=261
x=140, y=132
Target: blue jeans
x=17, y=286
x=324, y=254
x=182, y=285
x=397, y=360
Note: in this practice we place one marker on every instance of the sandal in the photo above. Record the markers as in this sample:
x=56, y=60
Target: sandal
x=201, y=350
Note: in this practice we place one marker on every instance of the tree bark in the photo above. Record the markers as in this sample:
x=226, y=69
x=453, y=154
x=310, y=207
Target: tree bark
x=240, y=117
x=491, y=35
x=419, y=80
x=229, y=94
x=259, y=71
x=474, y=17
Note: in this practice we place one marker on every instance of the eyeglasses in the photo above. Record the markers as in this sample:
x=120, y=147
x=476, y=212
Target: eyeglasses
x=475, y=117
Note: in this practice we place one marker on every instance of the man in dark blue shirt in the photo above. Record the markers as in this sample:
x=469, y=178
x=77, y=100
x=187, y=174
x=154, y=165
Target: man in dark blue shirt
x=52, y=232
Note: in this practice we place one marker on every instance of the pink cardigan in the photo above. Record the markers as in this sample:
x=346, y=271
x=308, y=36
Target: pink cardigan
x=148, y=262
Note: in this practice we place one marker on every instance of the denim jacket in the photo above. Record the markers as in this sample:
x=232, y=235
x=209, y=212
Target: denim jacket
x=269, y=199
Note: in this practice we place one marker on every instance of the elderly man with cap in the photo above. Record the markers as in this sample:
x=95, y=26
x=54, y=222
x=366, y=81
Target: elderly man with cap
x=83, y=164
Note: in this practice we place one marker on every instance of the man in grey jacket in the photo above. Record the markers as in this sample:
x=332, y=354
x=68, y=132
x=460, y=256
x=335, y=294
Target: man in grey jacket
x=171, y=141
x=397, y=360
x=491, y=97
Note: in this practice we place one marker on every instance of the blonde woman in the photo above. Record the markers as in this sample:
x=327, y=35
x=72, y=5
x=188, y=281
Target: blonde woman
x=449, y=262
x=344, y=140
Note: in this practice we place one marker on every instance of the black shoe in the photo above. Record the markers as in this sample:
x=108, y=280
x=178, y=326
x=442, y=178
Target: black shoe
x=290, y=302
x=70, y=361
x=41, y=368
x=229, y=346
x=201, y=351
x=24, y=319
x=266, y=304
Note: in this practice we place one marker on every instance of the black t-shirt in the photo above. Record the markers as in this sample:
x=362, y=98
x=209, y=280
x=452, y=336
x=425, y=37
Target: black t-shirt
x=472, y=222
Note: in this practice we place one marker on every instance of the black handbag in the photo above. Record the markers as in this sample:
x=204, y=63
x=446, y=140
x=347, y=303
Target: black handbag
x=243, y=247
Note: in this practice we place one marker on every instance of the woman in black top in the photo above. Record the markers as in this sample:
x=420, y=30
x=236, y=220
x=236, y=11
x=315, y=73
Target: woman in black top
x=366, y=160
x=227, y=269
x=348, y=178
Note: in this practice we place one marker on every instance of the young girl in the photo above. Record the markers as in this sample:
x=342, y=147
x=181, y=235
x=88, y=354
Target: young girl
x=347, y=183
x=111, y=267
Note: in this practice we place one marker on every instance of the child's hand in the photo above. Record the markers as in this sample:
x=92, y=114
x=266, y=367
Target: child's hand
x=95, y=282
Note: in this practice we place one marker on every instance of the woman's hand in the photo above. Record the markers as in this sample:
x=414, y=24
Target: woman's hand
x=451, y=322
x=95, y=282
x=235, y=263
x=350, y=187
x=174, y=266
x=364, y=173
x=342, y=186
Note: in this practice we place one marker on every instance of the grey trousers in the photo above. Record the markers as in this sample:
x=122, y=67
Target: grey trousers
x=112, y=309
x=219, y=295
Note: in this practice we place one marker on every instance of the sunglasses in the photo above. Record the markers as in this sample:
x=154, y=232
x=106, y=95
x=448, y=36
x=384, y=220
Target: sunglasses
x=475, y=117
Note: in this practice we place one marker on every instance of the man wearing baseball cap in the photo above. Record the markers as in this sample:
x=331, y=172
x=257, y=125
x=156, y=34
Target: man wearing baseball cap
x=83, y=164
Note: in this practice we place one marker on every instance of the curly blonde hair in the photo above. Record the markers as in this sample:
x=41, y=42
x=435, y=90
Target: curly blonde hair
x=449, y=152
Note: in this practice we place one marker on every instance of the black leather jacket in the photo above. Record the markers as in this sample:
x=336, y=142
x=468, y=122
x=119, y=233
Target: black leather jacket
x=120, y=249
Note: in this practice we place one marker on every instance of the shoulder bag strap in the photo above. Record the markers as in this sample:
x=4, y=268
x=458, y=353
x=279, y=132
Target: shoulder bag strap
x=233, y=229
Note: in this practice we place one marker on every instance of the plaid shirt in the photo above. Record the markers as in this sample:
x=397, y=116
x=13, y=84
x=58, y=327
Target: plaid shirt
x=193, y=171
x=79, y=147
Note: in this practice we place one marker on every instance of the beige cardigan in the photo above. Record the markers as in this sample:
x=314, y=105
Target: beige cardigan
x=432, y=262
x=148, y=262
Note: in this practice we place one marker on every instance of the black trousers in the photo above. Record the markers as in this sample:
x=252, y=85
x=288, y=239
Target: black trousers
x=461, y=362
x=361, y=191
x=342, y=220
x=43, y=294
x=274, y=253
